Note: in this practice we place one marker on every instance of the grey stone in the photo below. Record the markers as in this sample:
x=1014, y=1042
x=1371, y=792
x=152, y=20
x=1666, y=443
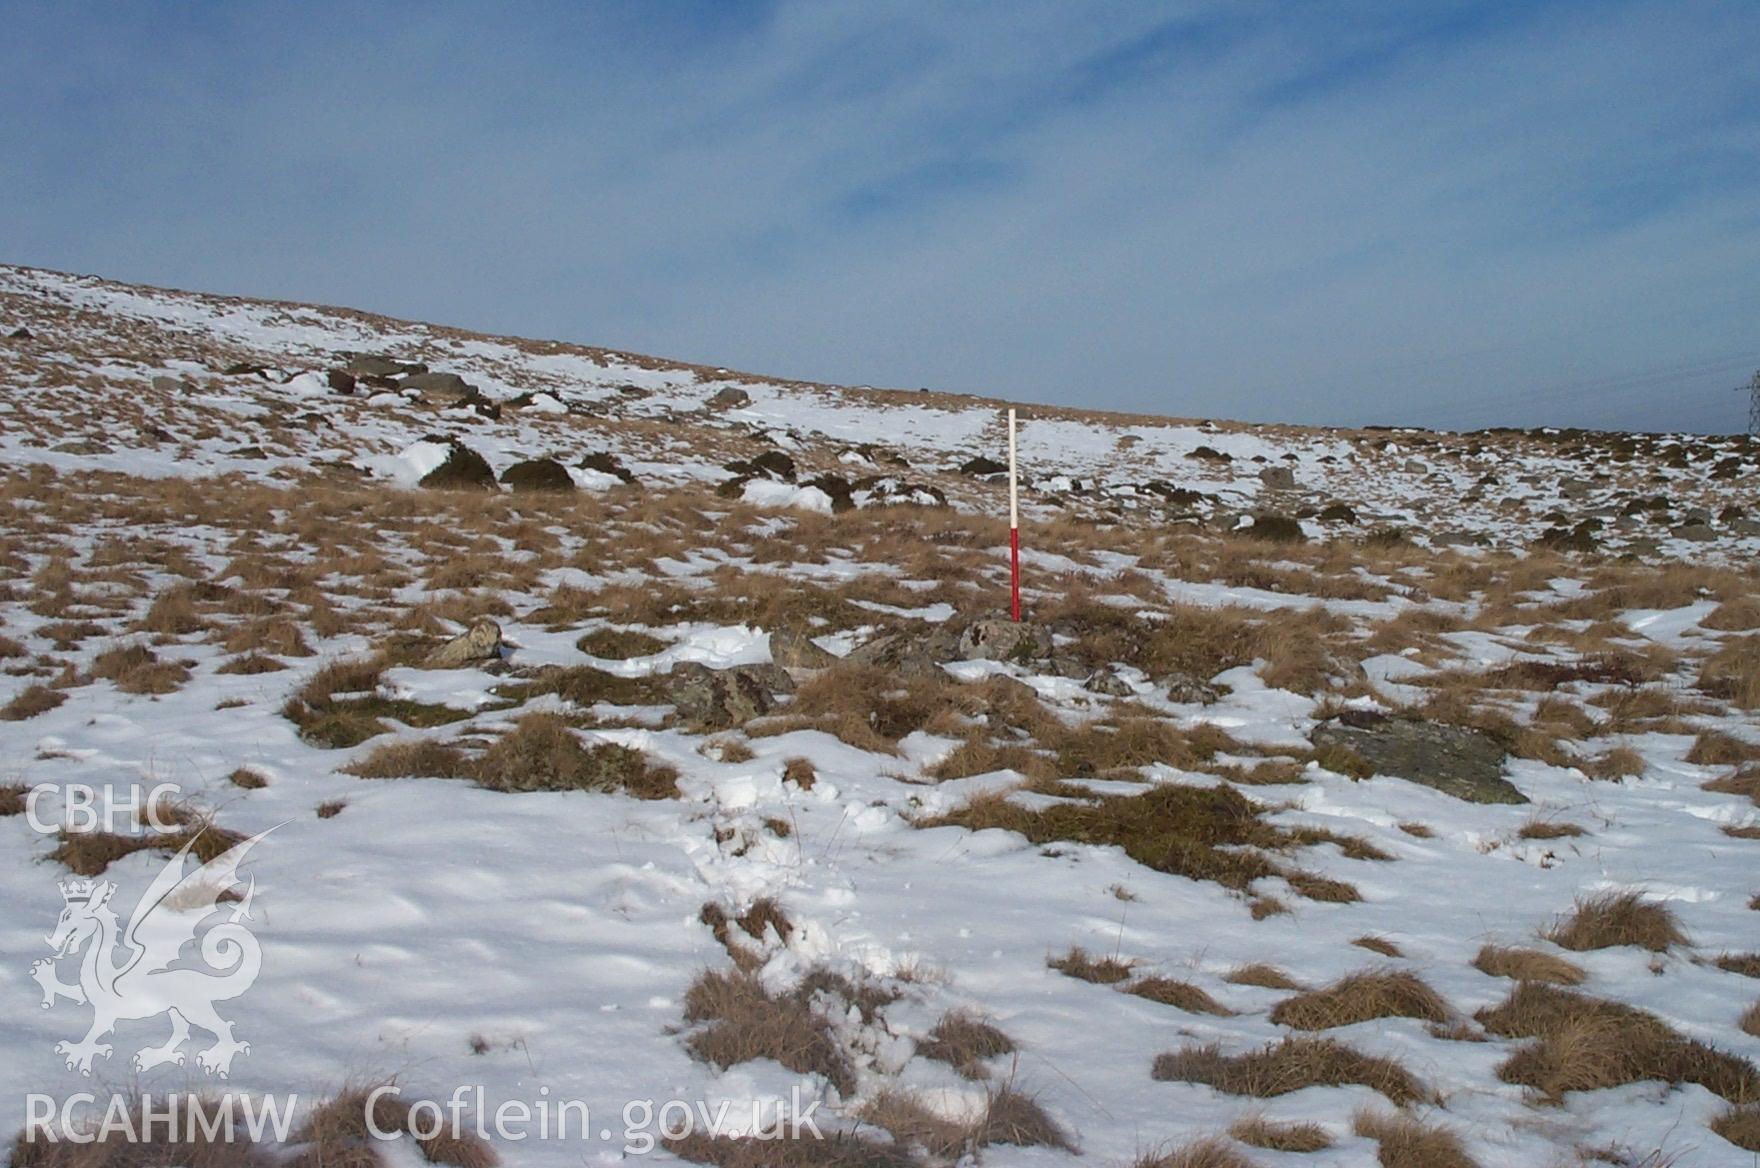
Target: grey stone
x=373, y=365
x=731, y=398
x=1694, y=533
x=793, y=648
x=440, y=389
x=170, y=384
x=1105, y=681
x=1465, y=763
x=463, y=468
x=719, y=699
x=1278, y=478
x=1187, y=689
x=482, y=642
x=1000, y=639
x=909, y=652
x=538, y=474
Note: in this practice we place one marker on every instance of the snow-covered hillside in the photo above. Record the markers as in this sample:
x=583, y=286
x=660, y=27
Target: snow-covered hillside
x=1344, y=790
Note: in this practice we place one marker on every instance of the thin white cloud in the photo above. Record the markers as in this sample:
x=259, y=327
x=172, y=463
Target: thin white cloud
x=1231, y=210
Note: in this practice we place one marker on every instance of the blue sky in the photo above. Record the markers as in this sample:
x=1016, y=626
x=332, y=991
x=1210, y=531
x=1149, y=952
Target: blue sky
x=1442, y=213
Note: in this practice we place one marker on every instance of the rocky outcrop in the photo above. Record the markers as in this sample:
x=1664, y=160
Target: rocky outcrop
x=538, y=474
x=440, y=389
x=1458, y=761
x=605, y=462
x=982, y=466
x=482, y=642
x=464, y=469
x=793, y=648
x=375, y=365
x=731, y=398
x=720, y=699
x=1001, y=639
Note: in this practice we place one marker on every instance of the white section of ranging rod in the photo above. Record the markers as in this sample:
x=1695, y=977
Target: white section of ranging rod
x=1014, y=504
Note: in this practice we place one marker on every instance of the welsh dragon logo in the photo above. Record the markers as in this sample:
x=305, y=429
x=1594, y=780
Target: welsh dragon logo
x=142, y=971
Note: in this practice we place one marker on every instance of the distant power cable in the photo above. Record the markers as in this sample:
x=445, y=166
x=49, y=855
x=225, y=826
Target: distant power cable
x=1493, y=409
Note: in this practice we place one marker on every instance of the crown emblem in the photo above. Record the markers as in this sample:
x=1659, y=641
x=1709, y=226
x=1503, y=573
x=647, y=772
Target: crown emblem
x=78, y=891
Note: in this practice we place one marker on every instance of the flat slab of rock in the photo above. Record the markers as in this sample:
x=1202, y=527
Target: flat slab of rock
x=1001, y=639
x=719, y=699
x=1464, y=763
x=482, y=642
x=792, y=648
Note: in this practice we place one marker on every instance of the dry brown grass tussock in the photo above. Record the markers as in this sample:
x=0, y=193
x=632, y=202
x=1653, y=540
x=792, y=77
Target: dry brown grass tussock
x=1289, y=1065
x=1404, y=1141
x=31, y=701
x=542, y=753
x=742, y=1021
x=1280, y=1137
x=1204, y=1153
x=1084, y=966
x=337, y=1133
x=1618, y=918
x=965, y=1042
x=1262, y=975
x=1204, y=833
x=1527, y=965
x=1360, y=997
x=1588, y=1043
x=1181, y=995
x=1740, y=1126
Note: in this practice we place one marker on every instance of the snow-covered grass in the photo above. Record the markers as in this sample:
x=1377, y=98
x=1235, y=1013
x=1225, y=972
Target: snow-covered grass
x=1097, y=904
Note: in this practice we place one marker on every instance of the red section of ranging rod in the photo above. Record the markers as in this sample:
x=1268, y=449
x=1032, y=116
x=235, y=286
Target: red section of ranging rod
x=1014, y=573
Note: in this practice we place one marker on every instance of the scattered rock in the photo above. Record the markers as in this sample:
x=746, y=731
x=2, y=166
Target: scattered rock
x=373, y=365
x=731, y=398
x=1274, y=528
x=793, y=648
x=982, y=466
x=1209, y=454
x=1694, y=533
x=170, y=384
x=837, y=488
x=1278, y=478
x=719, y=699
x=1186, y=689
x=1105, y=681
x=774, y=463
x=1000, y=639
x=245, y=369
x=1464, y=763
x=441, y=389
x=341, y=381
x=19, y=334
x=909, y=651
x=81, y=446
x=538, y=474
x=606, y=463
x=1337, y=513
x=482, y=642
x=464, y=469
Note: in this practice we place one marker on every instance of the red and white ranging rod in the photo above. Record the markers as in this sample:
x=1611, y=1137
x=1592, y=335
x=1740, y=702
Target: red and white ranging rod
x=1014, y=528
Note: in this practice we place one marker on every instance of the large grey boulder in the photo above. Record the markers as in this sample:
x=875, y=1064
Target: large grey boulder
x=464, y=469
x=719, y=699
x=440, y=389
x=913, y=652
x=1001, y=639
x=1464, y=763
x=793, y=648
x=731, y=398
x=538, y=474
x=374, y=365
x=482, y=642
x=1278, y=478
